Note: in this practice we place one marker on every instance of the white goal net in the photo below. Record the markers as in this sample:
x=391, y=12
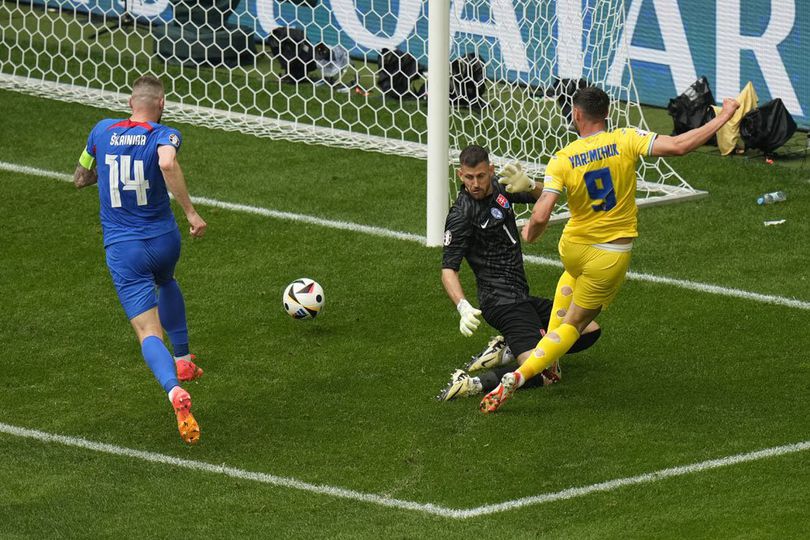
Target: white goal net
x=345, y=73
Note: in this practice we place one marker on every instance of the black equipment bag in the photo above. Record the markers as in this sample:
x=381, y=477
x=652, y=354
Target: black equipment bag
x=397, y=72
x=767, y=127
x=293, y=51
x=467, y=85
x=693, y=108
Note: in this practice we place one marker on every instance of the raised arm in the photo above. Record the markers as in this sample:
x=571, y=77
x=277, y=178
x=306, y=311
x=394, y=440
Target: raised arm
x=176, y=182
x=679, y=145
x=537, y=190
x=517, y=181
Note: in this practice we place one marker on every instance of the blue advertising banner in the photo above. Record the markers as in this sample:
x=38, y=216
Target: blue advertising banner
x=671, y=42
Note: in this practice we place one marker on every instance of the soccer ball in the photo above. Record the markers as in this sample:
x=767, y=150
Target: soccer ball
x=303, y=299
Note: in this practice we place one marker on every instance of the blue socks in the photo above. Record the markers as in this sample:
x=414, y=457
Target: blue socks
x=172, y=312
x=160, y=362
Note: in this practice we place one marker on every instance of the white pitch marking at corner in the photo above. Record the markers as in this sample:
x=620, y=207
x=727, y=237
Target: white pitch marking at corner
x=231, y=472
x=388, y=233
x=401, y=504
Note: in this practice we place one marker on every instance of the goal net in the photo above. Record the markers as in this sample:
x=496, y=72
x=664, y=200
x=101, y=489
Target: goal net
x=345, y=73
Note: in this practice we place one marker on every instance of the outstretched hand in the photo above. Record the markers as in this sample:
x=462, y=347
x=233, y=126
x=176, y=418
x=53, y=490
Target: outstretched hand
x=515, y=180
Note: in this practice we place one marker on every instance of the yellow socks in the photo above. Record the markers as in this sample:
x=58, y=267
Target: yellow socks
x=563, y=296
x=559, y=337
x=549, y=350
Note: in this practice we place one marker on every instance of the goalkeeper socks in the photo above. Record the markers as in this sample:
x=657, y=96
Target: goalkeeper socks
x=585, y=341
x=549, y=350
x=172, y=312
x=491, y=379
x=507, y=357
x=160, y=362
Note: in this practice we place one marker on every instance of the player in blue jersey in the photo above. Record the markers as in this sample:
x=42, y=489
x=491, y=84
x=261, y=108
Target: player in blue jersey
x=137, y=167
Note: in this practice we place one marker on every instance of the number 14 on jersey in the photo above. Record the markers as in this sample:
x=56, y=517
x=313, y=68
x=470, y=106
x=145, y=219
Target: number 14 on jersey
x=120, y=174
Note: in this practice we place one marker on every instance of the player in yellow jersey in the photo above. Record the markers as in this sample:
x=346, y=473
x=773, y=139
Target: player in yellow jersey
x=599, y=173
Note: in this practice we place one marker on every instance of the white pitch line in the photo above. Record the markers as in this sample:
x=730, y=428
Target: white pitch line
x=401, y=504
x=647, y=478
x=410, y=237
x=312, y=220
x=691, y=285
x=33, y=171
x=232, y=472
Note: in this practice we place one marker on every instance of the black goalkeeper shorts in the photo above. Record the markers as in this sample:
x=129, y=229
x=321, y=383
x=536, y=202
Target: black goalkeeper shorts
x=520, y=323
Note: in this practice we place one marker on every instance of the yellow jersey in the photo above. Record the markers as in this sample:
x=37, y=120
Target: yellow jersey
x=599, y=174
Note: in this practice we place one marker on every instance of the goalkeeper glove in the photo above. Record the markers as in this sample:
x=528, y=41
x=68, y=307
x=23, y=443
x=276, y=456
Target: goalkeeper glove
x=515, y=180
x=469, y=317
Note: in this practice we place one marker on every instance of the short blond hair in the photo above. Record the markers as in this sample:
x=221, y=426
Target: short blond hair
x=147, y=89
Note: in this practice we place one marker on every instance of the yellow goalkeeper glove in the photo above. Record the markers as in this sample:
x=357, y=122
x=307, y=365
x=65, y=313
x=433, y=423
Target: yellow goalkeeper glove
x=515, y=180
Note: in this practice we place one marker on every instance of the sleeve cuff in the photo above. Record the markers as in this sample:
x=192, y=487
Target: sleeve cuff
x=652, y=141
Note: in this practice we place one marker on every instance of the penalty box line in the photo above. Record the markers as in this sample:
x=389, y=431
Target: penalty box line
x=402, y=504
x=371, y=230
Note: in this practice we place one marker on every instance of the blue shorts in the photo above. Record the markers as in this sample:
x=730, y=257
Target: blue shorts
x=138, y=267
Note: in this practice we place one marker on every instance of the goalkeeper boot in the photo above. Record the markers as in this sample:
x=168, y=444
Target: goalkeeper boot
x=187, y=370
x=552, y=374
x=492, y=356
x=492, y=401
x=186, y=424
x=460, y=385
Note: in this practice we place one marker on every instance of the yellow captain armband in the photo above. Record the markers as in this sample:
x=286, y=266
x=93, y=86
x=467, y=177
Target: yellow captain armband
x=86, y=160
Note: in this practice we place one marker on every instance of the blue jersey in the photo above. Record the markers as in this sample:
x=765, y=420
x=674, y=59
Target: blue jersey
x=134, y=202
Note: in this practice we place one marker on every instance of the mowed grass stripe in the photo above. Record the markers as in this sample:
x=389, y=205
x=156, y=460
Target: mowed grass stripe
x=400, y=235
x=380, y=500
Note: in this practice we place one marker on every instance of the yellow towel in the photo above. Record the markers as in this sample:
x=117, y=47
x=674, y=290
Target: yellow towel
x=729, y=135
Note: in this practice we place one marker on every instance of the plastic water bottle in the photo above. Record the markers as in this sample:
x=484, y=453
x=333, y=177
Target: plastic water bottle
x=770, y=198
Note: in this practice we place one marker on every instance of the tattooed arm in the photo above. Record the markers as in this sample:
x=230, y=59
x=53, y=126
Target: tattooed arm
x=86, y=174
x=84, y=177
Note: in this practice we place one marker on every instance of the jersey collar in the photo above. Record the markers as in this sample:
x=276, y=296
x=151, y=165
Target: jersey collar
x=130, y=124
x=593, y=134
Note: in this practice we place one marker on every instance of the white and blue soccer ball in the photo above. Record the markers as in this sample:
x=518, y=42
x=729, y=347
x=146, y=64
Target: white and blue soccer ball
x=303, y=299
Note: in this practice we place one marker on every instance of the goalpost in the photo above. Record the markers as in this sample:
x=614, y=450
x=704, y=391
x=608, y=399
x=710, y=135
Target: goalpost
x=415, y=78
x=524, y=105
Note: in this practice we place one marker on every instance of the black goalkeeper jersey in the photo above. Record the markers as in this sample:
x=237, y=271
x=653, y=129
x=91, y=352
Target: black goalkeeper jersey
x=486, y=234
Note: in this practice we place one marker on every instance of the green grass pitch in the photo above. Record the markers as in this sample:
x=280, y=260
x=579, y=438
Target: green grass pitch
x=346, y=400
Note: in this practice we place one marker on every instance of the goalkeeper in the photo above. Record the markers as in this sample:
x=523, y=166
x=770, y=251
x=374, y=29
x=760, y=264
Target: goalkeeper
x=481, y=228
